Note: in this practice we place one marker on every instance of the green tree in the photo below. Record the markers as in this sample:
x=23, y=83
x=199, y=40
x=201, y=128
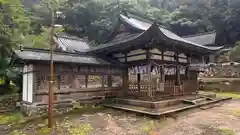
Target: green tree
x=13, y=26
x=235, y=53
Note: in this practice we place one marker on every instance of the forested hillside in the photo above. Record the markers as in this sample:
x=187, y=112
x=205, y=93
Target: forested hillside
x=94, y=19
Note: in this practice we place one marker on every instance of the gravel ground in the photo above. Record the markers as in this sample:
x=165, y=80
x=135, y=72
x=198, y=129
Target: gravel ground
x=220, y=120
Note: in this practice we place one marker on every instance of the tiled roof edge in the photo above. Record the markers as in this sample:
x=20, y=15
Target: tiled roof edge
x=200, y=34
x=48, y=51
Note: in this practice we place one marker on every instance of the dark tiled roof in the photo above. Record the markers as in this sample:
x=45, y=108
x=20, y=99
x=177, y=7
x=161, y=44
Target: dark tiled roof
x=71, y=43
x=143, y=26
x=65, y=57
x=203, y=38
x=118, y=41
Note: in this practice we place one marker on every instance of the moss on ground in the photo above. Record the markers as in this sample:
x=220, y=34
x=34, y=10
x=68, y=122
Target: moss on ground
x=228, y=94
x=10, y=118
x=235, y=112
x=226, y=131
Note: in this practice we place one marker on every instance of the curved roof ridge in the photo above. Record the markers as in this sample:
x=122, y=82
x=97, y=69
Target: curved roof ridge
x=143, y=19
x=200, y=34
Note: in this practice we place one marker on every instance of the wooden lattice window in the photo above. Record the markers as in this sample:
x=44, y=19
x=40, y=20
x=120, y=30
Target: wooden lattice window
x=63, y=81
x=41, y=82
x=94, y=81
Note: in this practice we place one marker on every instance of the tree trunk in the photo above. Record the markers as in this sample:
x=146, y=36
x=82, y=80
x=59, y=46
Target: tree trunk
x=6, y=82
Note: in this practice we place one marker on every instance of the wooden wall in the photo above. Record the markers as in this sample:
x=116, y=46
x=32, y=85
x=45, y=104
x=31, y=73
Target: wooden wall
x=77, y=82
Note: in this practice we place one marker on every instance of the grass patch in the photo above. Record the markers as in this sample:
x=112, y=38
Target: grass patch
x=226, y=131
x=235, y=112
x=151, y=126
x=65, y=127
x=228, y=94
x=16, y=132
x=10, y=118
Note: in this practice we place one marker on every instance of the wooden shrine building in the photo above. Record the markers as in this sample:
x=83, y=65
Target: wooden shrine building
x=140, y=59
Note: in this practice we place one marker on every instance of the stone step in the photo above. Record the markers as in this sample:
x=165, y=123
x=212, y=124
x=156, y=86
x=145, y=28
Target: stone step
x=195, y=101
x=164, y=111
x=199, y=100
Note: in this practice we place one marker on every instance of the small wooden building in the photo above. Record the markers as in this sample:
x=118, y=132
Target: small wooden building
x=140, y=59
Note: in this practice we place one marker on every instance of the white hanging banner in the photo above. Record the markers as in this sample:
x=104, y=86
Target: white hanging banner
x=182, y=70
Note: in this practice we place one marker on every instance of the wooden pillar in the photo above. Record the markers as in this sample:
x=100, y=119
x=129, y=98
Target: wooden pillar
x=34, y=85
x=149, y=80
x=178, y=81
x=102, y=81
x=125, y=77
x=177, y=69
x=125, y=81
x=188, y=67
x=109, y=81
x=162, y=82
x=203, y=60
x=149, y=92
x=86, y=81
x=187, y=74
x=138, y=82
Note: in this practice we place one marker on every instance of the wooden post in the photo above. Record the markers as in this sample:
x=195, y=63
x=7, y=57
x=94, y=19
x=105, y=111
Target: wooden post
x=34, y=85
x=149, y=80
x=102, y=79
x=125, y=77
x=176, y=76
x=162, y=74
x=125, y=81
x=109, y=81
x=149, y=93
x=138, y=82
x=178, y=79
x=51, y=81
x=86, y=81
x=188, y=67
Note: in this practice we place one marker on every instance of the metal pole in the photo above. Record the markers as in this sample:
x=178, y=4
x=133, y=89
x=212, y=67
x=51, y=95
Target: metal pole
x=51, y=81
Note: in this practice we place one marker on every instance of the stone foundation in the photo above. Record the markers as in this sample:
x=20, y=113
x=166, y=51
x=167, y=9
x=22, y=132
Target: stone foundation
x=223, y=85
x=36, y=109
x=151, y=104
x=60, y=107
x=9, y=102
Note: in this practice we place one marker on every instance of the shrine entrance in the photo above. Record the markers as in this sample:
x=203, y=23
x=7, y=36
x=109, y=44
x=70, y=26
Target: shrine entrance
x=156, y=61
x=163, y=80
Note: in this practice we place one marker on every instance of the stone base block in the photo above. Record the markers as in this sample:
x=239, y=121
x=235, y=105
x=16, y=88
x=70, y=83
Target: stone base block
x=35, y=109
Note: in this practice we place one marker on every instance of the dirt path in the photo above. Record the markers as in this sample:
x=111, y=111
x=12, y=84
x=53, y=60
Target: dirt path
x=221, y=120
